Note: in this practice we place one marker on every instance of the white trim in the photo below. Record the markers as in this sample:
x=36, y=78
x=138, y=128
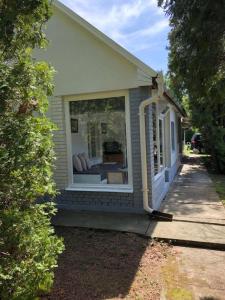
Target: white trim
x=158, y=175
x=99, y=187
x=116, y=188
x=97, y=33
x=157, y=138
x=160, y=168
x=68, y=143
x=143, y=147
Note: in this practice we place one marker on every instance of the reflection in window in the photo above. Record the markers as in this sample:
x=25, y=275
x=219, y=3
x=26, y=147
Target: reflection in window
x=154, y=131
x=172, y=136
x=161, y=142
x=99, y=146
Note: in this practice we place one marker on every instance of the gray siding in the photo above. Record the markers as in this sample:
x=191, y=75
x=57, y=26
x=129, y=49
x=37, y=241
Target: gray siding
x=57, y=114
x=105, y=201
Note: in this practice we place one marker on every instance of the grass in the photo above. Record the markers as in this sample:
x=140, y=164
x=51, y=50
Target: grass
x=186, y=150
x=219, y=183
x=217, y=179
x=177, y=285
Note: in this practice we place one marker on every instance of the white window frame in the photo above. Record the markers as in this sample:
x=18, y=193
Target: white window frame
x=120, y=188
x=161, y=168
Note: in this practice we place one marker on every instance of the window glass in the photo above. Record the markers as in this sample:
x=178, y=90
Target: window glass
x=98, y=139
x=172, y=136
x=161, y=142
x=154, y=131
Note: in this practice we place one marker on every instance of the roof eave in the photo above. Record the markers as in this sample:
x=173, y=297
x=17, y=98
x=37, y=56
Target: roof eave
x=174, y=103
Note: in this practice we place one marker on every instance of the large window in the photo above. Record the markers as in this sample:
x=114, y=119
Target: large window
x=99, y=141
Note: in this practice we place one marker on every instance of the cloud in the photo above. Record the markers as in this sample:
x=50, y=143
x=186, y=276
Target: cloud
x=112, y=16
x=150, y=31
x=135, y=24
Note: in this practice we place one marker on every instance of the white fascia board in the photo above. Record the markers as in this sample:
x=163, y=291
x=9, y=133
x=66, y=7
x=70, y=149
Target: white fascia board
x=104, y=38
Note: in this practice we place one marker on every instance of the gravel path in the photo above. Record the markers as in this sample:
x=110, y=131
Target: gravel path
x=108, y=265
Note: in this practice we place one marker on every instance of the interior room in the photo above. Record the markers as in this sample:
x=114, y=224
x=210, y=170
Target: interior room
x=98, y=140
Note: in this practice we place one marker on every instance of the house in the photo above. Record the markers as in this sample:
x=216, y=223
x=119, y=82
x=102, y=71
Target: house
x=118, y=141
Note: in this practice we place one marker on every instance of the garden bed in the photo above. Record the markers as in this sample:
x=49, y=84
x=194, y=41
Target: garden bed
x=108, y=265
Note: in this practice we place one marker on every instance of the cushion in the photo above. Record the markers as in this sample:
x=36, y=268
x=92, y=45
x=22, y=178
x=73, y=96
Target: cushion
x=83, y=162
x=77, y=163
x=88, y=162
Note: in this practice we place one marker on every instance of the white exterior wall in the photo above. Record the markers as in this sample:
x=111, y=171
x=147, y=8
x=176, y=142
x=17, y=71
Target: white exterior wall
x=83, y=62
x=172, y=160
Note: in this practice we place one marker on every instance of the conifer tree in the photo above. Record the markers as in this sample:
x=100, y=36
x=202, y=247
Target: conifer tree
x=28, y=246
x=197, y=66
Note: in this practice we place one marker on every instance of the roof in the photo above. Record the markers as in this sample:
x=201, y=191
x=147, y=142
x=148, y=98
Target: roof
x=168, y=96
x=104, y=38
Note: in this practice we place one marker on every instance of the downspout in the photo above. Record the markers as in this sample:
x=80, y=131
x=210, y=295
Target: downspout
x=153, y=213
x=145, y=189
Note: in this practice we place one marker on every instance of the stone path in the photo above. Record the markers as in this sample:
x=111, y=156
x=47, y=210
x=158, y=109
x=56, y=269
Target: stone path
x=194, y=274
x=199, y=216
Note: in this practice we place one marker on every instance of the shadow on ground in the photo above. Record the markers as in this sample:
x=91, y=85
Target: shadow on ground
x=103, y=265
x=208, y=298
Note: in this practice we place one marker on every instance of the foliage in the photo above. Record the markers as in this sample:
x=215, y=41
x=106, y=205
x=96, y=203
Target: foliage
x=219, y=183
x=30, y=251
x=28, y=246
x=197, y=66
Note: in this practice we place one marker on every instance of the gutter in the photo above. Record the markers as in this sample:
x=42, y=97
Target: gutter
x=154, y=214
x=174, y=103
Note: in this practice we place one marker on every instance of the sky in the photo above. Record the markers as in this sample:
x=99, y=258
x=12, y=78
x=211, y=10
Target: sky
x=138, y=25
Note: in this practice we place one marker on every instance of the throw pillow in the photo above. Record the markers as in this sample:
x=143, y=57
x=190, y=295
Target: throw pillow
x=88, y=162
x=77, y=163
x=83, y=162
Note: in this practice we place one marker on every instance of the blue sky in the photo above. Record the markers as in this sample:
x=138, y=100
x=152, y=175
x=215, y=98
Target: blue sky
x=137, y=25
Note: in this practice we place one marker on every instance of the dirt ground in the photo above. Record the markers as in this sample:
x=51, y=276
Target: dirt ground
x=108, y=265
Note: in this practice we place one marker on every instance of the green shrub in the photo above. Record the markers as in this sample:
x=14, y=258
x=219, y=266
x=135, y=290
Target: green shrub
x=30, y=252
x=28, y=247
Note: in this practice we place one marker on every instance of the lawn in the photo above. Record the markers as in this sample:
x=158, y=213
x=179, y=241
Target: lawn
x=186, y=150
x=108, y=265
x=218, y=179
x=219, y=183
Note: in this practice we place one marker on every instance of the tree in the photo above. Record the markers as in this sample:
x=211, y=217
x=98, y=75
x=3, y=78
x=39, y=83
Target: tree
x=28, y=246
x=197, y=66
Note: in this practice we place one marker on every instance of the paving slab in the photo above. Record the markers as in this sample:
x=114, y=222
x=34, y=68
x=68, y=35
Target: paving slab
x=205, y=271
x=199, y=215
x=197, y=273
x=189, y=233
x=198, y=188
x=195, y=210
x=135, y=223
x=204, y=200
